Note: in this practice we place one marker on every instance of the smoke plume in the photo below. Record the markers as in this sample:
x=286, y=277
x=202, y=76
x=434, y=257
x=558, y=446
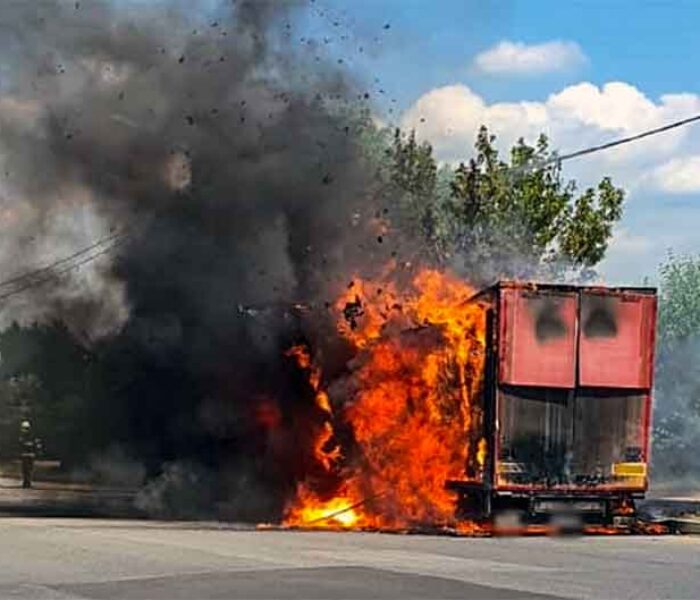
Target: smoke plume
x=219, y=148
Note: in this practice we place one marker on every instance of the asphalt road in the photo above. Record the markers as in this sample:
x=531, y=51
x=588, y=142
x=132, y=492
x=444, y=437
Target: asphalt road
x=89, y=558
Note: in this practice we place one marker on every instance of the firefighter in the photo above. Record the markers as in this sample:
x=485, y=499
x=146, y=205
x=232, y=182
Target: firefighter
x=27, y=452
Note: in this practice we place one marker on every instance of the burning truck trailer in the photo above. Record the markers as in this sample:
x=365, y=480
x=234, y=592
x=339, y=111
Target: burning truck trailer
x=524, y=404
x=560, y=431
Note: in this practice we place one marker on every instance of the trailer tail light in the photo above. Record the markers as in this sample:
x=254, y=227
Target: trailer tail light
x=617, y=338
x=538, y=338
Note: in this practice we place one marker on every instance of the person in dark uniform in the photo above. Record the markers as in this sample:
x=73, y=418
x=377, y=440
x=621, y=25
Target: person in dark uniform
x=27, y=452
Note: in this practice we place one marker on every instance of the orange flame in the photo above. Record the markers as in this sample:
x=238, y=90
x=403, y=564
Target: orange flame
x=409, y=402
x=325, y=435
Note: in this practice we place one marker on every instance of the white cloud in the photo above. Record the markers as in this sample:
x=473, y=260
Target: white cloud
x=626, y=252
x=626, y=242
x=578, y=116
x=522, y=59
x=652, y=170
x=679, y=175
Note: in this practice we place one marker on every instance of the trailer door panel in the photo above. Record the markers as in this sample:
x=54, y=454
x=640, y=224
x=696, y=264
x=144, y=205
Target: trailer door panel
x=538, y=338
x=617, y=338
x=584, y=438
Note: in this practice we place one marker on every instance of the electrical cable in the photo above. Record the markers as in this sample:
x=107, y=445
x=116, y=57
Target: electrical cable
x=66, y=259
x=558, y=159
x=58, y=268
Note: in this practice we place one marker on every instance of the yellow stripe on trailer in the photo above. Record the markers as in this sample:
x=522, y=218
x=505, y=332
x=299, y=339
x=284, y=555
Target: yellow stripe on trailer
x=630, y=469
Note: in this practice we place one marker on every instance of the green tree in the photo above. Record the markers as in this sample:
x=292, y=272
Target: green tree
x=509, y=218
x=677, y=390
x=45, y=376
x=679, y=310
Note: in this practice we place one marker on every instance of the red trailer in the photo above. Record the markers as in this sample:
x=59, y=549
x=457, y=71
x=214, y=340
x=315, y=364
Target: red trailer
x=565, y=408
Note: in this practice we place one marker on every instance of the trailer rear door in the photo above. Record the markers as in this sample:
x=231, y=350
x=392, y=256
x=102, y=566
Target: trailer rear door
x=617, y=339
x=538, y=337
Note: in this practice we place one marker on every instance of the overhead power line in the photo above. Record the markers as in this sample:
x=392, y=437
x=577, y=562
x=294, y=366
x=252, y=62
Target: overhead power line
x=18, y=279
x=631, y=138
x=54, y=270
x=606, y=146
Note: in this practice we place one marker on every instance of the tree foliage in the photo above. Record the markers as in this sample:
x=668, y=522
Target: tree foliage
x=677, y=393
x=679, y=314
x=511, y=217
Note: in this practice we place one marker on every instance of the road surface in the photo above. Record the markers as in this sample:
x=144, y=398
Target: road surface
x=90, y=558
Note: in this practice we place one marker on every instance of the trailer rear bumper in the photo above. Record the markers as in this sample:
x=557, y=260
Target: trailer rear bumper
x=546, y=506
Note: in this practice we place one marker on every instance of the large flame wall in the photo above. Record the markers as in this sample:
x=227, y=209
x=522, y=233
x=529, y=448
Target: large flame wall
x=410, y=401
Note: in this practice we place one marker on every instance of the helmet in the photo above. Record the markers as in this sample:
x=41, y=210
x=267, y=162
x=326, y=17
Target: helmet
x=25, y=426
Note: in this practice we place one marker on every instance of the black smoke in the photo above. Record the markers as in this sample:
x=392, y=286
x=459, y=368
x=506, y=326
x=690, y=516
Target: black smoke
x=225, y=149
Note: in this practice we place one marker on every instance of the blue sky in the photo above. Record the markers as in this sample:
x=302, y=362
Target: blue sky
x=431, y=43
x=584, y=72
